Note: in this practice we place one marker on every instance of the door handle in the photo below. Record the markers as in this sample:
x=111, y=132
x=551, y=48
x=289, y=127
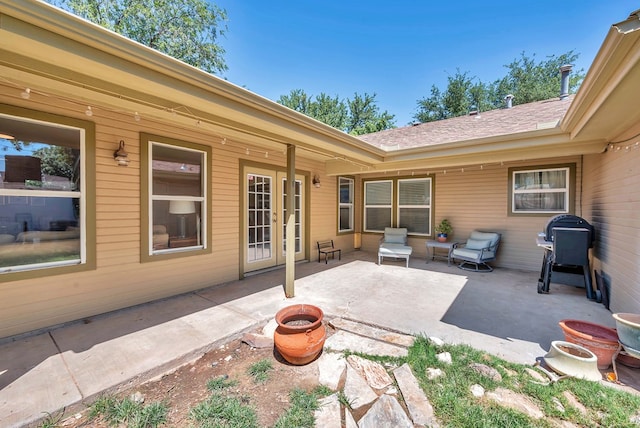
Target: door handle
x=275, y=218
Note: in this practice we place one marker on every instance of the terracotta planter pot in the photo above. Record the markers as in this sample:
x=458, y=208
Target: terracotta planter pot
x=599, y=339
x=300, y=334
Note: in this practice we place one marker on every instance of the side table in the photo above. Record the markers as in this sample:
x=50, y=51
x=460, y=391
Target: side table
x=448, y=245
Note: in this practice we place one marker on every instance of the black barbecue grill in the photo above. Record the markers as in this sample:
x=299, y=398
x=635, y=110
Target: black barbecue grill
x=567, y=239
x=569, y=221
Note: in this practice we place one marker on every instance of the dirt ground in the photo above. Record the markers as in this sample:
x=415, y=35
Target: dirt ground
x=185, y=387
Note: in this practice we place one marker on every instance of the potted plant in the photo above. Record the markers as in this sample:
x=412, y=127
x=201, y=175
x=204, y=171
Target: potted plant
x=444, y=229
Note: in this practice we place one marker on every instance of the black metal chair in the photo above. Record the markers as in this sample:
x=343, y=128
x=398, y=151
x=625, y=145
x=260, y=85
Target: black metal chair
x=326, y=248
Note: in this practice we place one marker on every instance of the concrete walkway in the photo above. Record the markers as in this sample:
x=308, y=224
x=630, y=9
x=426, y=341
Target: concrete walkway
x=500, y=312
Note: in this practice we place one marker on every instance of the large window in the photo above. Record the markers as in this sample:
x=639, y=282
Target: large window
x=177, y=196
x=345, y=204
x=414, y=205
x=411, y=204
x=541, y=190
x=43, y=189
x=378, y=205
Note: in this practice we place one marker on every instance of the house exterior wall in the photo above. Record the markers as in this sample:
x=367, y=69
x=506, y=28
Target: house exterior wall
x=120, y=278
x=612, y=205
x=478, y=198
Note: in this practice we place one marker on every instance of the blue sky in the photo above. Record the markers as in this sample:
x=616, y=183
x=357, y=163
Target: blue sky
x=399, y=49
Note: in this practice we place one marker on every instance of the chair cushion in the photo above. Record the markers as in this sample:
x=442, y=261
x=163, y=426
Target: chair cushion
x=477, y=244
x=395, y=235
x=391, y=250
x=492, y=236
x=394, y=239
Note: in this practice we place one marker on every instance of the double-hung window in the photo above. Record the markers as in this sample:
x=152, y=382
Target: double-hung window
x=398, y=202
x=414, y=205
x=378, y=205
x=43, y=190
x=177, y=196
x=345, y=204
x=541, y=190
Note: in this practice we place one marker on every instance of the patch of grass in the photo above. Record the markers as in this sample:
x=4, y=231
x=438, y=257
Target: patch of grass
x=224, y=411
x=220, y=383
x=322, y=391
x=344, y=400
x=300, y=413
x=454, y=405
x=260, y=370
x=51, y=421
x=129, y=413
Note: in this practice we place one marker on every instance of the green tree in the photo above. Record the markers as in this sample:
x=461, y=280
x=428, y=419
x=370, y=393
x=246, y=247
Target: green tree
x=187, y=29
x=526, y=79
x=360, y=115
x=58, y=161
x=529, y=81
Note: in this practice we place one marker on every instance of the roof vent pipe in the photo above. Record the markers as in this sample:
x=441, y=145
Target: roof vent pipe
x=564, y=80
x=509, y=100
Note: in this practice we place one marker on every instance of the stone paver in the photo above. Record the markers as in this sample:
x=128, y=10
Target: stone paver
x=420, y=408
x=358, y=392
x=372, y=332
x=328, y=414
x=349, y=422
x=344, y=341
x=331, y=367
x=374, y=373
x=513, y=400
x=385, y=412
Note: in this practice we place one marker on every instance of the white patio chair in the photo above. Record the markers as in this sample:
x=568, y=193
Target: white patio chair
x=394, y=244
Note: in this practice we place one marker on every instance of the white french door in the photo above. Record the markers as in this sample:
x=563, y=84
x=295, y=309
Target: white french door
x=265, y=216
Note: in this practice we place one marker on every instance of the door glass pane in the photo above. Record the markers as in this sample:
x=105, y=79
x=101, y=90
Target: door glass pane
x=259, y=230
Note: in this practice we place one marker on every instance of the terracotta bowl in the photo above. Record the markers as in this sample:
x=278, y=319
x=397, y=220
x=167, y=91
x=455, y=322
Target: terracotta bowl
x=599, y=339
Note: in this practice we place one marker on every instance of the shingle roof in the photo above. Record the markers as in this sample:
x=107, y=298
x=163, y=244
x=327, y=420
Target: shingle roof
x=520, y=118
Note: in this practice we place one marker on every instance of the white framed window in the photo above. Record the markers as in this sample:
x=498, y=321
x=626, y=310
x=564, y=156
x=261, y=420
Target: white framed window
x=43, y=186
x=541, y=190
x=378, y=205
x=177, y=197
x=414, y=205
x=345, y=204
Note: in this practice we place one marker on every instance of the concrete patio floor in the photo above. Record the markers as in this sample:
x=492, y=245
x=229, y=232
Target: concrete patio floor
x=499, y=312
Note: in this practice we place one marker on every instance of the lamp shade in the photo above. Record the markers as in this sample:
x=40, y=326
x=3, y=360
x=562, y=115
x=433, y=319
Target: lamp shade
x=182, y=207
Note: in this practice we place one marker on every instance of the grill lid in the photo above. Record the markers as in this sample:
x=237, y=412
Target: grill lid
x=569, y=221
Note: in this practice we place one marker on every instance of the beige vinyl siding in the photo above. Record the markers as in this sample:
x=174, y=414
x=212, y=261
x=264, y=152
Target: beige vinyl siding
x=120, y=279
x=612, y=205
x=478, y=198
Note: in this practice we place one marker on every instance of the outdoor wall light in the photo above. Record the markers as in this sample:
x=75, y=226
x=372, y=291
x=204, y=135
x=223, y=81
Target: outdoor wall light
x=121, y=156
x=316, y=181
